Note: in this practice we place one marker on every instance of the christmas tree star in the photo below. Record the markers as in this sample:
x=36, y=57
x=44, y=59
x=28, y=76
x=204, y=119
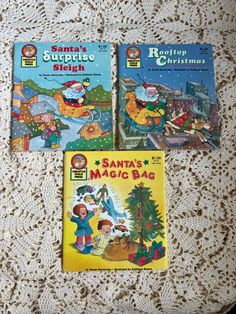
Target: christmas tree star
x=97, y=162
x=146, y=162
x=141, y=184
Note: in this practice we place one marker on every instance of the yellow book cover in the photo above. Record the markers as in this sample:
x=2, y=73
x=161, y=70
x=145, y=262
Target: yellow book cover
x=114, y=211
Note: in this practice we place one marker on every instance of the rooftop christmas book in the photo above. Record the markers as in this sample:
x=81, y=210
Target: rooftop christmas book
x=114, y=211
x=167, y=97
x=61, y=97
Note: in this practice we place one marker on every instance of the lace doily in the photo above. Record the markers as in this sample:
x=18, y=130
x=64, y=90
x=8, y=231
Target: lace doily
x=200, y=185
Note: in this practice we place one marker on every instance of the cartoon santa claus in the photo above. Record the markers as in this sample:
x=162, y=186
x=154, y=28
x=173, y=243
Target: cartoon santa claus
x=71, y=102
x=74, y=95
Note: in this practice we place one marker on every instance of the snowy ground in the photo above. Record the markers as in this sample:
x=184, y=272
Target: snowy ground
x=68, y=135
x=71, y=134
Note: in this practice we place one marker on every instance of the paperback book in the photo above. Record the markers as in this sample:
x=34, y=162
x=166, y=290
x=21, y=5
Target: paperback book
x=114, y=211
x=167, y=97
x=61, y=97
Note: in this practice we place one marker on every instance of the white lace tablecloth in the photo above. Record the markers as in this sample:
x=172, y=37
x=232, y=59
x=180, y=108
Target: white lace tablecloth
x=201, y=204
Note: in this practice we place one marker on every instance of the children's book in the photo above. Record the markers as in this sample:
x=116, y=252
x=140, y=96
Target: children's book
x=167, y=97
x=61, y=97
x=114, y=211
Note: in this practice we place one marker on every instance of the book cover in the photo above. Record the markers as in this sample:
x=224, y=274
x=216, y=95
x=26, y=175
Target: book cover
x=167, y=97
x=114, y=211
x=61, y=97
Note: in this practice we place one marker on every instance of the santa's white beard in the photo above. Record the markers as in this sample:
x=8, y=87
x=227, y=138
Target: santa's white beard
x=140, y=93
x=73, y=93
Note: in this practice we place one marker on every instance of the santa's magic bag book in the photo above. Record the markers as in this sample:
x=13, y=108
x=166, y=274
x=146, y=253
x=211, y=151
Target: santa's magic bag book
x=114, y=211
x=61, y=97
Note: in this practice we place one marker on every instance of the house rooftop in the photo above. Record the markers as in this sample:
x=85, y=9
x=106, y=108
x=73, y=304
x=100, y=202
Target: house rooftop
x=185, y=96
x=128, y=81
x=16, y=80
x=19, y=129
x=19, y=97
x=195, y=83
x=201, y=95
x=38, y=108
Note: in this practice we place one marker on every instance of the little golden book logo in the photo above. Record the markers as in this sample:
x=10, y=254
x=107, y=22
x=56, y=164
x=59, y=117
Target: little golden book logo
x=29, y=58
x=78, y=171
x=133, y=57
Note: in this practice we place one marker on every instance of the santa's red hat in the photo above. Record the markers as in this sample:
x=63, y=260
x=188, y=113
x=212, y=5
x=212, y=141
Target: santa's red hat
x=73, y=83
x=146, y=85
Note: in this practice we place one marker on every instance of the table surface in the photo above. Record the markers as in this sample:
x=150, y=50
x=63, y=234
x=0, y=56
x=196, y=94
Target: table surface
x=200, y=185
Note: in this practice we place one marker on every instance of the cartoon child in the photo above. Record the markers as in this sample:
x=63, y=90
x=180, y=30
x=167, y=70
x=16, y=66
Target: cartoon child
x=102, y=240
x=81, y=218
x=54, y=136
x=29, y=51
x=79, y=162
x=44, y=127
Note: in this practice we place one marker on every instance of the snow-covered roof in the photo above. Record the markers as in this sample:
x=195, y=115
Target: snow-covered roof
x=19, y=129
x=40, y=107
x=19, y=97
x=16, y=80
x=195, y=83
x=201, y=95
x=185, y=96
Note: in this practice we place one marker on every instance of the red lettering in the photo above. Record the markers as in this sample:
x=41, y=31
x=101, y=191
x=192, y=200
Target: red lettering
x=125, y=175
x=105, y=174
x=55, y=67
x=139, y=164
x=113, y=164
x=120, y=164
x=113, y=174
x=131, y=164
x=94, y=174
x=152, y=175
x=105, y=163
x=135, y=174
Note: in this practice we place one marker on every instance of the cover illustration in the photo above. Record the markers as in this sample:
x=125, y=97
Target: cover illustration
x=61, y=97
x=167, y=97
x=114, y=211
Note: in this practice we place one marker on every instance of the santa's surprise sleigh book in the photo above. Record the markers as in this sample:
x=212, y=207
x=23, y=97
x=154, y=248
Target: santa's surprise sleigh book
x=167, y=97
x=61, y=97
x=114, y=211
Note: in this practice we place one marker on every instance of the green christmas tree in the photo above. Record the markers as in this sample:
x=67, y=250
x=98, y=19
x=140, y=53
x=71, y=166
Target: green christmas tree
x=146, y=220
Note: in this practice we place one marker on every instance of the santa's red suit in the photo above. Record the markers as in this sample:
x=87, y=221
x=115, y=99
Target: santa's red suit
x=183, y=122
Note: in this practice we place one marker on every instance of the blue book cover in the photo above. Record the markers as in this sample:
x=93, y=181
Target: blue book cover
x=167, y=97
x=62, y=97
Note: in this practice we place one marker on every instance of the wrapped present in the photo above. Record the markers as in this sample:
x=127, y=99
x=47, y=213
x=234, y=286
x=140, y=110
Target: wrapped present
x=141, y=257
x=157, y=251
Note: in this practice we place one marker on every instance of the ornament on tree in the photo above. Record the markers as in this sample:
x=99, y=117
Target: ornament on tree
x=146, y=221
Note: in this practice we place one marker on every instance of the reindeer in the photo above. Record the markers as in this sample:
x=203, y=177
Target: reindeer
x=186, y=123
